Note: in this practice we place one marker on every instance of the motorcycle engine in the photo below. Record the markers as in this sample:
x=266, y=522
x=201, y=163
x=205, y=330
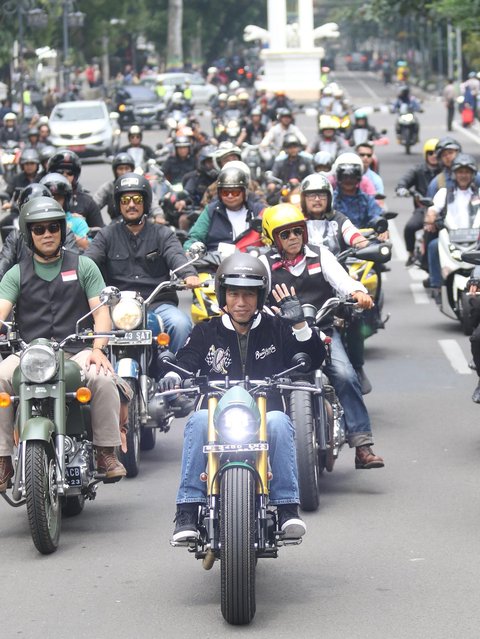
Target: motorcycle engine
x=79, y=464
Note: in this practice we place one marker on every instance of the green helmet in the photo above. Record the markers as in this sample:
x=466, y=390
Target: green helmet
x=41, y=209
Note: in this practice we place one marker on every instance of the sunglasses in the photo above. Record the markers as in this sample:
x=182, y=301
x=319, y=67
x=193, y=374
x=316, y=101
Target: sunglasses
x=136, y=199
x=317, y=196
x=230, y=192
x=66, y=172
x=430, y=152
x=41, y=229
x=366, y=155
x=297, y=232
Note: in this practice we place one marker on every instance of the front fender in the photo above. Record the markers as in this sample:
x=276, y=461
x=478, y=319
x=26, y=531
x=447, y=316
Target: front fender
x=37, y=428
x=127, y=367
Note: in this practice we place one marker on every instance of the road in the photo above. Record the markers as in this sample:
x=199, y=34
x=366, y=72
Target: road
x=391, y=553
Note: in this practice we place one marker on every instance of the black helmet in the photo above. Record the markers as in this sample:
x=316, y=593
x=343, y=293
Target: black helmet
x=232, y=177
x=35, y=189
x=46, y=152
x=447, y=143
x=132, y=182
x=33, y=131
x=464, y=160
x=29, y=155
x=283, y=112
x=244, y=271
x=58, y=184
x=41, y=209
x=291, y=140
x=65, y=160
x=122, y=158
x=207, y=153
x=135, y=130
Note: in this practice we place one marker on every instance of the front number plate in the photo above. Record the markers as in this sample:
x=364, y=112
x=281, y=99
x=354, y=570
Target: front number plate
x=74, y=476
x=132, y=337
x=235, y=448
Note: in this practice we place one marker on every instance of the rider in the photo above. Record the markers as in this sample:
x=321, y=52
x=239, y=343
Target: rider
x=360, y=123
x=254, y=131
x=29, y=163
x=456, y=207
x=138, y=151
x=68, y=164
x=121, y=163
x=294, y=165
x=446, y=151
x=361, y=208
x=275, y=135
x=10, y=131
x=418, y=178
x=313, y=272
x=230, y=345
x=229, y=215
x=365, y=151
x=197, y=182
x=48, y=304
x=328, y=138
x=139, y=255
x=177, y=166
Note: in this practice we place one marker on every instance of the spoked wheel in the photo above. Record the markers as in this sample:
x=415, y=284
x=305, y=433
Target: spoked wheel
x=237, y=536
x=43, y=504
x=301, y=414
x=131, y=459
x=148, y=437
x=73, y=506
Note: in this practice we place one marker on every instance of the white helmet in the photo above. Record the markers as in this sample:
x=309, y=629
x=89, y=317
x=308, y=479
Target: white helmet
x=348, y=158
x=9, y=116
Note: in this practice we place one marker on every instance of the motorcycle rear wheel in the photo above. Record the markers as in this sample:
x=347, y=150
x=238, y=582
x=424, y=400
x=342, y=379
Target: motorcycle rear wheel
x=131, y=459
x=237, y=536
x=301, y=414
x=148, y=438
x=465, y=314
x=43, y=503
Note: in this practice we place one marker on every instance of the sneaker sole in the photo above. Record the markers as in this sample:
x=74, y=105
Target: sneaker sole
x=294, y=529
x=370, y=465
x=185, y=535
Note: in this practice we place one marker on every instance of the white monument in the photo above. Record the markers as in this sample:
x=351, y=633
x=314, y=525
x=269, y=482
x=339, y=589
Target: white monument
x=292, y=61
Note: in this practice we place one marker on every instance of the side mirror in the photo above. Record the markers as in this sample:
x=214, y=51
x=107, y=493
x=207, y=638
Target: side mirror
x=302, y=360
x=256, y=224
x=471, y=257
x=381, y=225
x=110, y=296
x=196, y=251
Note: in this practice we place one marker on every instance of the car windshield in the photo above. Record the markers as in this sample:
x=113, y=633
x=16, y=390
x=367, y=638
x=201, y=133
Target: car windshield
x=140, y=93
x=71, y=114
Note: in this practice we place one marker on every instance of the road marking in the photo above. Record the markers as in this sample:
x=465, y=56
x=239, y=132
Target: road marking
x=364, y=86
x=419, y=293
x=469, y=134
x=397, y=241
x=455, y=356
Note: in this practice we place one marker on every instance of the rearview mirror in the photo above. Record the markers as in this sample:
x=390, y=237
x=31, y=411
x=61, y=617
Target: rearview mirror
x=110, y=296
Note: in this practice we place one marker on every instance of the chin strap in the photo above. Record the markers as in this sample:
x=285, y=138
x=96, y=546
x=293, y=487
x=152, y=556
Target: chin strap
x=138, y=222
x=249, y=323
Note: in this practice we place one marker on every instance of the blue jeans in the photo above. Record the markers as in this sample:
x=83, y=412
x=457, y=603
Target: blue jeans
x=434, y=264
x=283, y=461
x=344, y=379
x=177, y=324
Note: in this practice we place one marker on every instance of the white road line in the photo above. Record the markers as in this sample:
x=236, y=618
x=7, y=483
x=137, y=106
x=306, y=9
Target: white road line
x=455, y=356
x=364, y=86
x=417, y=274
x=398, y=244
x=470, y=134
x=420, y=295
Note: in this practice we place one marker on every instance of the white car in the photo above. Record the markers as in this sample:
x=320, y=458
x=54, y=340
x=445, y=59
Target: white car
x=202, y=93
x=86, y=127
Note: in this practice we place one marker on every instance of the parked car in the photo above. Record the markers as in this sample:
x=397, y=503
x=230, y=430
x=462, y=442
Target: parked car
x=202, y=92
x=138, y=104
x=86, y=127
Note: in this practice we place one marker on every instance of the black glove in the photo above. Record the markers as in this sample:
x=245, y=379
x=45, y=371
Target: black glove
x=168, y=383
x=291, y=310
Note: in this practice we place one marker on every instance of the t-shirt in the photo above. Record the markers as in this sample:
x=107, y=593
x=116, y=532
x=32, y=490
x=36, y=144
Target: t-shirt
x=458, y=214
x=237, y=220
x=89, y=275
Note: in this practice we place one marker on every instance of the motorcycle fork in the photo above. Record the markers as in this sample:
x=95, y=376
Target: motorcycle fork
x=319, y=408
x=261, y=465
x=213, y=464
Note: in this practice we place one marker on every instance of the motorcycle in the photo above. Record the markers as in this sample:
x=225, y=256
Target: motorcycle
x=407, y=128
x=9, y=159
x=175, y=120
x=258, y=159
x=54, y=461
x=237, y=527
x=134, y=358
x=455, y=301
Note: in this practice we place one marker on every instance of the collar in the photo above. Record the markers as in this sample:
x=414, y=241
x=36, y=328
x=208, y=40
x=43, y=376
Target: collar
x=307, y=252
x=227, y=322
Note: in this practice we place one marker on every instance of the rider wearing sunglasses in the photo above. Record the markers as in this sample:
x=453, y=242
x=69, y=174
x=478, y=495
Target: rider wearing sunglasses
x=315, y=274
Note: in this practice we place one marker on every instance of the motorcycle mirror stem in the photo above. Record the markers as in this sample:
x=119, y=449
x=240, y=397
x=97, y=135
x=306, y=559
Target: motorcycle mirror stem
x=107, y=297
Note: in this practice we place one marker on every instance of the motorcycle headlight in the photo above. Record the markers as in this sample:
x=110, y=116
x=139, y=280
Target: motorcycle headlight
x=127, y=314
x=407, y=118
x=38, y=363
x=237, y=425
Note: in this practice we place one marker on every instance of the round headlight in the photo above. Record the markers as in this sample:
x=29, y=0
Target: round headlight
x=237, y=425
x=38, y=363
x=127, y=314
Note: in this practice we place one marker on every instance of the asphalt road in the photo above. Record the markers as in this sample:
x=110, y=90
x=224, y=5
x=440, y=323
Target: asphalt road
x=391, y=553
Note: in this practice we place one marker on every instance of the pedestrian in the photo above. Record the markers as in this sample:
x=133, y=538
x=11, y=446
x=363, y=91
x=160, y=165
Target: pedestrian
x=449, y=97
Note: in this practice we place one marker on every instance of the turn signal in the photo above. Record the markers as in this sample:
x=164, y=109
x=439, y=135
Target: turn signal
x=5, y=400
x=83, y=395
x=122, y=108
x=163, y=339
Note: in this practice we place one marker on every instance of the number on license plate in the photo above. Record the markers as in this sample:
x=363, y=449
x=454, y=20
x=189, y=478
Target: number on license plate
x=74, y=476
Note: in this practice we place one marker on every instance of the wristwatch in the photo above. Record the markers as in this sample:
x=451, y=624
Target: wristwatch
x=104, y=349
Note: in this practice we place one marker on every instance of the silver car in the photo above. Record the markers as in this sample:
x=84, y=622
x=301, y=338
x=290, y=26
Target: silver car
x=86, y=127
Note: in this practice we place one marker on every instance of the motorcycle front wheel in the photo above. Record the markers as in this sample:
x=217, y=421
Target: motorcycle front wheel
x=131, y=459
x=301, y=414
x=43, y=504
x=237, y=536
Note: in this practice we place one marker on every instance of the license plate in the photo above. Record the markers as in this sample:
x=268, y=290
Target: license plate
x=235, y=448
x=78, y=148
x=463, y=236
x=132, y=337
x=74, y=476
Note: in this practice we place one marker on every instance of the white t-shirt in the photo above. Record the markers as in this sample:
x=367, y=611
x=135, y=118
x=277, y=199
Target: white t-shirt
x=458, y=216
x=238, y=221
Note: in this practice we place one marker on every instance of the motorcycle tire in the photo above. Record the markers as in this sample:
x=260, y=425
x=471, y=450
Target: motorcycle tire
x=408, y=141
x=148, y=438
x=131, y=459
x=465, y=314
x=237, y=536
x=73, y=506
x=43, y=504
x=301, y=414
